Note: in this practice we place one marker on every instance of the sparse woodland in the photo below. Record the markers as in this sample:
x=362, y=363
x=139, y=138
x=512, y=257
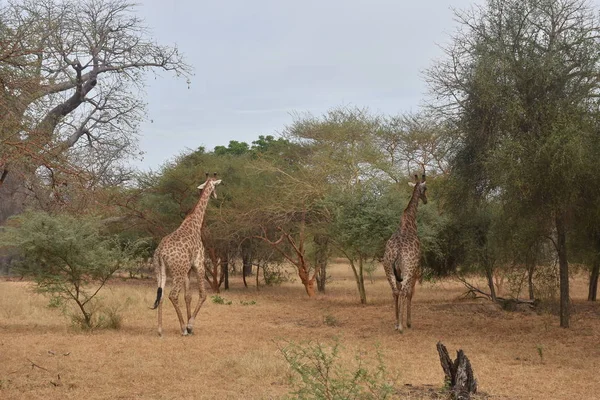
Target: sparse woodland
x=509, y=141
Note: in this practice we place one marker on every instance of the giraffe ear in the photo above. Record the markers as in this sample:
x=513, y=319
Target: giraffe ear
x=217, y=182
x=202, y=186
x=412, y=184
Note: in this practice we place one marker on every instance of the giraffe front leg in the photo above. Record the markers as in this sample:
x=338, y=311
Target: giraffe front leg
x=408, y=307
x=201, y=290
x=396, y=295
x=187, y=294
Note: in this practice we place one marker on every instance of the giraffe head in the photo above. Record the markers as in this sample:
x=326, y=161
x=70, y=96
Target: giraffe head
x=420, y=188
x=210, y=183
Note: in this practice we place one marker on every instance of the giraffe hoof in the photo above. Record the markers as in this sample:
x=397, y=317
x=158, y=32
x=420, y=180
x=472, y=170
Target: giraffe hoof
x=189, y=330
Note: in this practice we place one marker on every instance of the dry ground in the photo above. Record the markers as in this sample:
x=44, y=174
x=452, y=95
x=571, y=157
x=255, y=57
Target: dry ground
x=234, y=353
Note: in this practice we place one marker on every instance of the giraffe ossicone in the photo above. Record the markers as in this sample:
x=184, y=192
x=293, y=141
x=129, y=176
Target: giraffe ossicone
x=402, y=256
x=180, y=253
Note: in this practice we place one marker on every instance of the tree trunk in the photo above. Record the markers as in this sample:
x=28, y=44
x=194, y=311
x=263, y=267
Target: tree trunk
x=257, y=276
x=361, y=282
x=593, y=287
x=246, y=262
x=530, y=271
x=459, y=378
x=561, y=248
x=322, y=278
x=307, y=281
x=321, y=257
x=225, y=272
x=359, y=278
x=489, y=273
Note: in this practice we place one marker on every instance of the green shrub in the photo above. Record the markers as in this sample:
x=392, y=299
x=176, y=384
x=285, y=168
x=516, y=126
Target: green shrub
x=322, y=377
x=70, y=258
x=220, y=300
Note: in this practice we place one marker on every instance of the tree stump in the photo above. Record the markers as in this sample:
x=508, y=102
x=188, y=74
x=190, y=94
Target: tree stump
x=459, y=374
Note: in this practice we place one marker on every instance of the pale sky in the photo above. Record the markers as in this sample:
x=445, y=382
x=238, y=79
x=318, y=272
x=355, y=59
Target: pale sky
x=256, y=62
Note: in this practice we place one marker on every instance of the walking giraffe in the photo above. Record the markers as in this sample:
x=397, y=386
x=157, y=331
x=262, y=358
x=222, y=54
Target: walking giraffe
x=181, y=252
x=402, y=256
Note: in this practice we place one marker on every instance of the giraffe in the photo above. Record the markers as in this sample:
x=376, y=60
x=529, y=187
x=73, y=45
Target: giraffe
x=181, y=252
x=403, y=253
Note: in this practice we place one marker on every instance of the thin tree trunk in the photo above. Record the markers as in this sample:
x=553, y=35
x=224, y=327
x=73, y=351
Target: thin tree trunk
x=489, y=273
x=246, y=265
x=257, y=275
x=321, y=256
x=530, y=271
x=561, y=248
x=225, y=272
x=322, y=278
x=593, y=287
x=361, y=282
x=3, y=176
x=358, y=277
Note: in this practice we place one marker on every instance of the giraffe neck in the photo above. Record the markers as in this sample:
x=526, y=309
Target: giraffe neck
x=409, y=216
x=196, y=217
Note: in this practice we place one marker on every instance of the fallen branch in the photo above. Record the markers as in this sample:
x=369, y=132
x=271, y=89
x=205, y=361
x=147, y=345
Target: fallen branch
x=34, y=365
x=506, y=303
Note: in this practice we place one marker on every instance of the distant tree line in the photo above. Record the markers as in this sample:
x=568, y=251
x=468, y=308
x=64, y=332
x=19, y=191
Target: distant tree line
x=509, y=141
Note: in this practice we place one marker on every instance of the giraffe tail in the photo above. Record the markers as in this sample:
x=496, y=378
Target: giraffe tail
x=161, y=277
x=397, y=271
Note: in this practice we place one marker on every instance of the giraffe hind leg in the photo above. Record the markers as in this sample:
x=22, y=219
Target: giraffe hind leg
x=399, y=312
x=174, y=297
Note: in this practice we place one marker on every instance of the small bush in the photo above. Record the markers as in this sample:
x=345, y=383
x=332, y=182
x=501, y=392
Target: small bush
x=56, y=302
x=247, y=303
x=330, y=320
x=220, y=300
x=322, y=376
x=100, y=316
x=275, y=274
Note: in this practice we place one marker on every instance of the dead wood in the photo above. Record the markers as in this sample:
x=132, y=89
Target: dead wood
x=509, y=304
x=458, y=374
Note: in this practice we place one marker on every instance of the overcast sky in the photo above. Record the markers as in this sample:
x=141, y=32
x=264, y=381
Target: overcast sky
x=256, y=62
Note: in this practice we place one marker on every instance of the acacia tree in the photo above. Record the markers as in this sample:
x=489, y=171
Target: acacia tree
x=520, y=79
x=415, y=141
x=69, y=258
x=341, y=154
x=284, y=209
x=363, y=221
x=71, y=76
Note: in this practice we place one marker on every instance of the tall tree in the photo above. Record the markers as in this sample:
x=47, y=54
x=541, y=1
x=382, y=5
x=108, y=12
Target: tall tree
x=342, y=156
x=520, y=79
x=71, y=78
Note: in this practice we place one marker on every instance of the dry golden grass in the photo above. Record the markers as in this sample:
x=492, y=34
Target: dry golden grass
x=234, y=353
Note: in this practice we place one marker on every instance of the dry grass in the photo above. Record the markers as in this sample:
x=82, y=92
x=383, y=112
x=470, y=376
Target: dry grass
x=234, y=353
